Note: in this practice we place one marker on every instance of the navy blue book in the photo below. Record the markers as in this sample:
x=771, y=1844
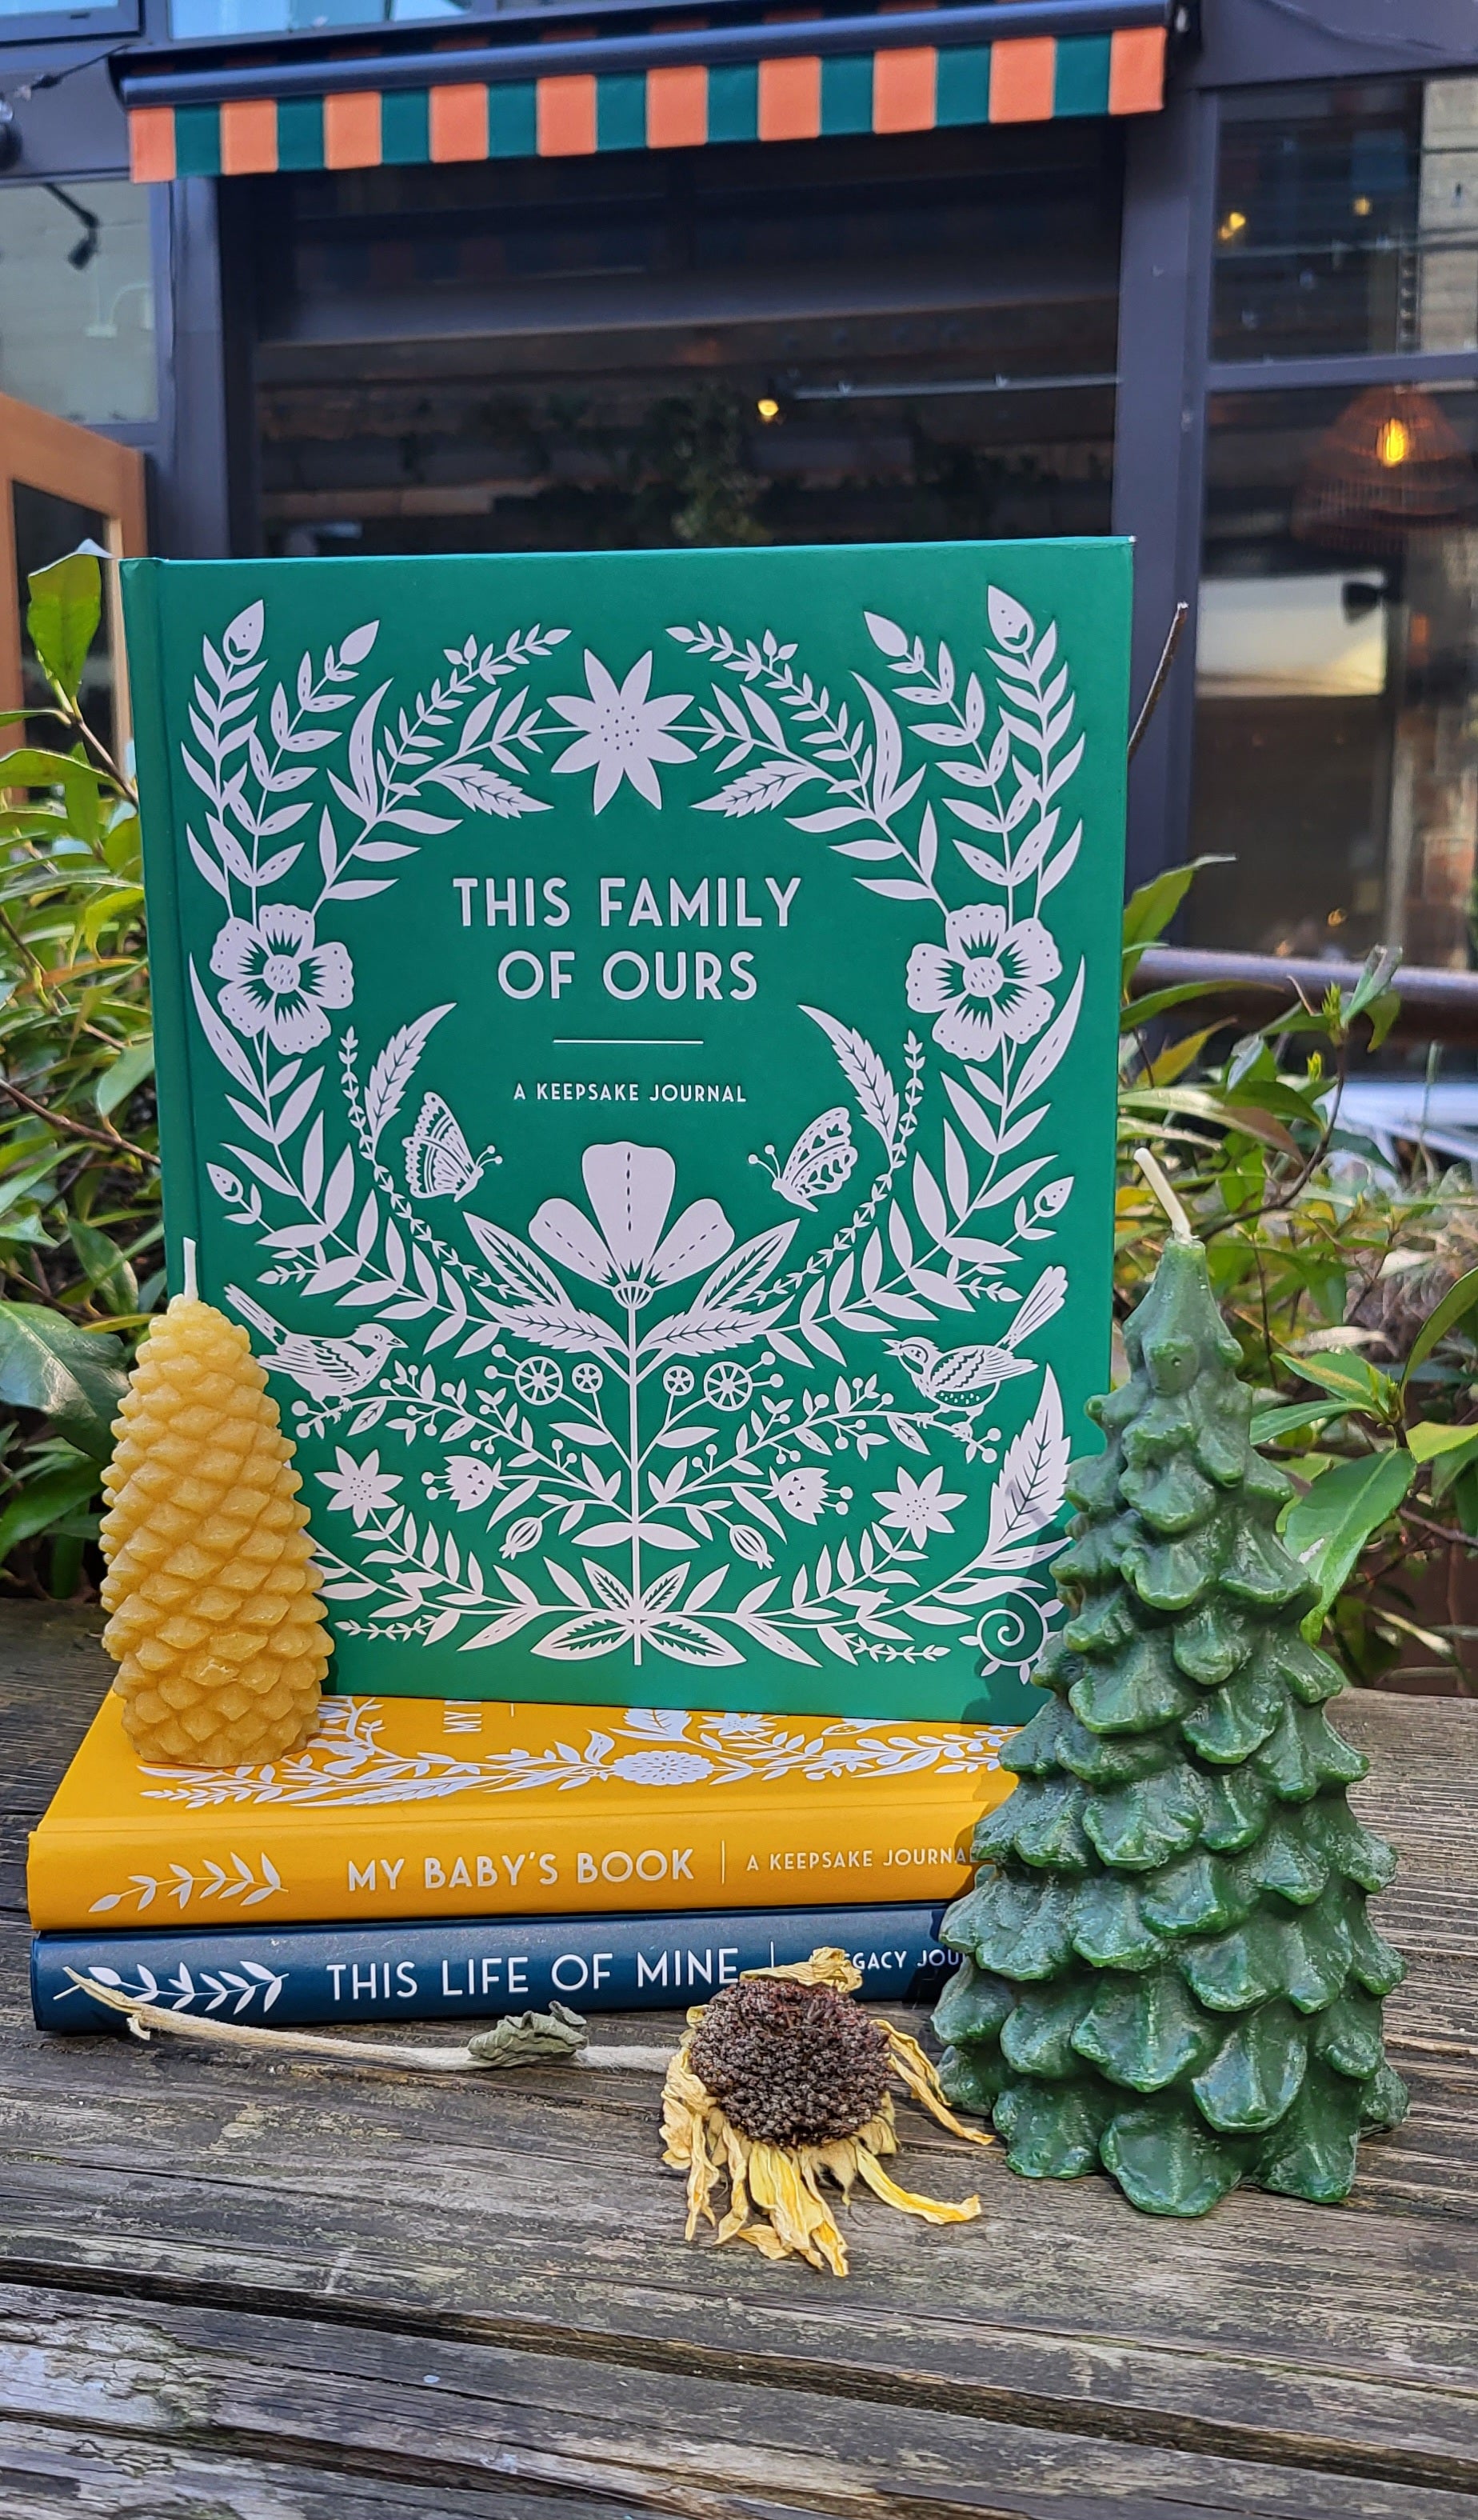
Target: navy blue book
x=477, y=1969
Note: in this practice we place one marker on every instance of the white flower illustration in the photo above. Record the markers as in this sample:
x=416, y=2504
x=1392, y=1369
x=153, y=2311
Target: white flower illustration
x=984, y=980
x=630, y=1188
x=662, y=1768
x=278, y=979
x=624, y=732
x=467, y=1481
x=917, y=1505
x=360, y=1488
x=801, y=1493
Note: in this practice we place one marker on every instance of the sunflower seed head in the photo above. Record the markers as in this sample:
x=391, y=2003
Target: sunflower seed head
x=790, y=2064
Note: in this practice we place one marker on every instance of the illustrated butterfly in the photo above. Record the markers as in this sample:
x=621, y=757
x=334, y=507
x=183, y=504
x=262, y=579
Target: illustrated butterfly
x=438, y=1161
x=817, y=1164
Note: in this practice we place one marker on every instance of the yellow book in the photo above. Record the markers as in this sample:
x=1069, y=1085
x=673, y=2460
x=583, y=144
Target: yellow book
x=426, y=1808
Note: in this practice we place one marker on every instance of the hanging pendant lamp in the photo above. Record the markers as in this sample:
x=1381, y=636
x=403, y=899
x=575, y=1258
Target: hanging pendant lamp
x=1391, y=467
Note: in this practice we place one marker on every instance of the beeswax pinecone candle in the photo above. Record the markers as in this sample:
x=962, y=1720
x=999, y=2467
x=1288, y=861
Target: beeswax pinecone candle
x=214, y=1618
x=1169, y=1965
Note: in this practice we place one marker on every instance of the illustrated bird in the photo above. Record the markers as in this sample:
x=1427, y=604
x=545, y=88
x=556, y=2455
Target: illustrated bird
x=969, y=1376
x=326, y=1369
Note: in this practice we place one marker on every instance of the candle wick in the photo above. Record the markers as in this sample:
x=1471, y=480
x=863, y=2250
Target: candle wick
x=1180, y=1222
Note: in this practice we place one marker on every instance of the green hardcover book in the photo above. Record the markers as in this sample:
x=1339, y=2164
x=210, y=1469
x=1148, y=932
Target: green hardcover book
x=636, y=1048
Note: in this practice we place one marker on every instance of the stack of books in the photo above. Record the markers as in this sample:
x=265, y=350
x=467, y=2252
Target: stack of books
x=424, y=1856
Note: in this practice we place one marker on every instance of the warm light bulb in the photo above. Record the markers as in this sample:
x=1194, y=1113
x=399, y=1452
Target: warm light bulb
x=1393, y=443
x=1231, y=226
x=1361, y=205
x=768, y=408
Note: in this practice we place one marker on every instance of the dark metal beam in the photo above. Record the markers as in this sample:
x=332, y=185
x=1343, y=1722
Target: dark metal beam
x=1377, y=368
x=1170, y=164
x=1435, y=1005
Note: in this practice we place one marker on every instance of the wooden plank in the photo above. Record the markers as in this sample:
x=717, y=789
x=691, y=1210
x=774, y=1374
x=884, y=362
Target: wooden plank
x=1061, y=2357
x=305, y=2399
x=537, y=2216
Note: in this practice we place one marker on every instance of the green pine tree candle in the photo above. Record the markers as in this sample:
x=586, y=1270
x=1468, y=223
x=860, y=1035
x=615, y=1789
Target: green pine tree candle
x=1169, y=1968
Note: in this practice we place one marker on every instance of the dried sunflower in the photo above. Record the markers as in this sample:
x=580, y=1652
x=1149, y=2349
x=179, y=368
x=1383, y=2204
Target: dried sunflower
x=780, y=2078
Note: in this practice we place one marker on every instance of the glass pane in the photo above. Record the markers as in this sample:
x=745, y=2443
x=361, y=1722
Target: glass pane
x=46, y=530
x=1338, y=674
x=76, y=301
x=201, y=19
x=1347, y=219
x=857, y=341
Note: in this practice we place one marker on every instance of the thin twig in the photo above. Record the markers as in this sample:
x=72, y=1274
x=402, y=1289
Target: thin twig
x=1173, y=636
x=145, y=2018
x=1440, y=1530
x=108, y=1138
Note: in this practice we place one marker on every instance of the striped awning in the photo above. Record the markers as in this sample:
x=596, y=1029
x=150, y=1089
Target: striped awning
x=804, y=77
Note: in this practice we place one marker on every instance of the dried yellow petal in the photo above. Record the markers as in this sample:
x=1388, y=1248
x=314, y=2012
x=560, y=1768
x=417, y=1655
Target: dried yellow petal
x=781, y=2183
x=826, y=1968
x=914, y=2070
x=906, y=2203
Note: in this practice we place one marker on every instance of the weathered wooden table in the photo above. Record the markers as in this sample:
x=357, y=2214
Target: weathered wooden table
x=252, y=2291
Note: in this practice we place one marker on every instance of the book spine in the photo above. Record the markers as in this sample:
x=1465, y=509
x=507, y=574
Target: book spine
x=288, y=1866
x=474, y=1969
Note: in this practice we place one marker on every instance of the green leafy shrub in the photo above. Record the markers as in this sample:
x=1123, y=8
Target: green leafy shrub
x=79, y=1206
x=1352, y=1295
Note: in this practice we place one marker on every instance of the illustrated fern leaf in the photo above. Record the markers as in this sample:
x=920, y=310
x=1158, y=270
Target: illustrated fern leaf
x=865, y=1071
x=393, y=1070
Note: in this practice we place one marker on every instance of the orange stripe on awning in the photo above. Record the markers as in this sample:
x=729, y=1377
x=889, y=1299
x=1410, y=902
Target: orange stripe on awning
x=567, y=116
x=790, y=98
x=151, y=144
x=456, y=124
x=1023, y=74
x=249, y=136
x=904, y=87
x=1137, y=71
x=677, y=108
x=351, y=128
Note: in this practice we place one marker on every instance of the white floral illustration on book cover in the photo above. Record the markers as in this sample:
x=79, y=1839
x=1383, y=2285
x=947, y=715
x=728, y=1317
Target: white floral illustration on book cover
x=615, y=1425
x=346, y=1766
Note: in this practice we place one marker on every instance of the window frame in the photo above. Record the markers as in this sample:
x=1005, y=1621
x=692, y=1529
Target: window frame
x=69, y=25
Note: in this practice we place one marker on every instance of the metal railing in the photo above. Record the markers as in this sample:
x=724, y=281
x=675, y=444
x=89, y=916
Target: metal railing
x=1435, y=1005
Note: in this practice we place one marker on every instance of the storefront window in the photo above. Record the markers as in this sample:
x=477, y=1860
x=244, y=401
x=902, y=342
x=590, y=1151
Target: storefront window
x=871, y=341
x=76, y=301
x=1347, y=220
x=1337, y=673
x=196, y=21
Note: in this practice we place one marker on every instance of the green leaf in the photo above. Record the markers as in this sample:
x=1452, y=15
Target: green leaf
x=1428, y=1439
x=47, y=1501
x=1373, y=982
x=32, y=767
x=107, y=910
x=75, y=1378
x=1326, y=1529
x=1268, y=1424
x=1196, y=1104
x=1158, y=1002
x=108, y=1272
x=1351, y=1378
x=62, y=616
x=1149, y=912
x=129, y=1070
x=1455, y=1305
